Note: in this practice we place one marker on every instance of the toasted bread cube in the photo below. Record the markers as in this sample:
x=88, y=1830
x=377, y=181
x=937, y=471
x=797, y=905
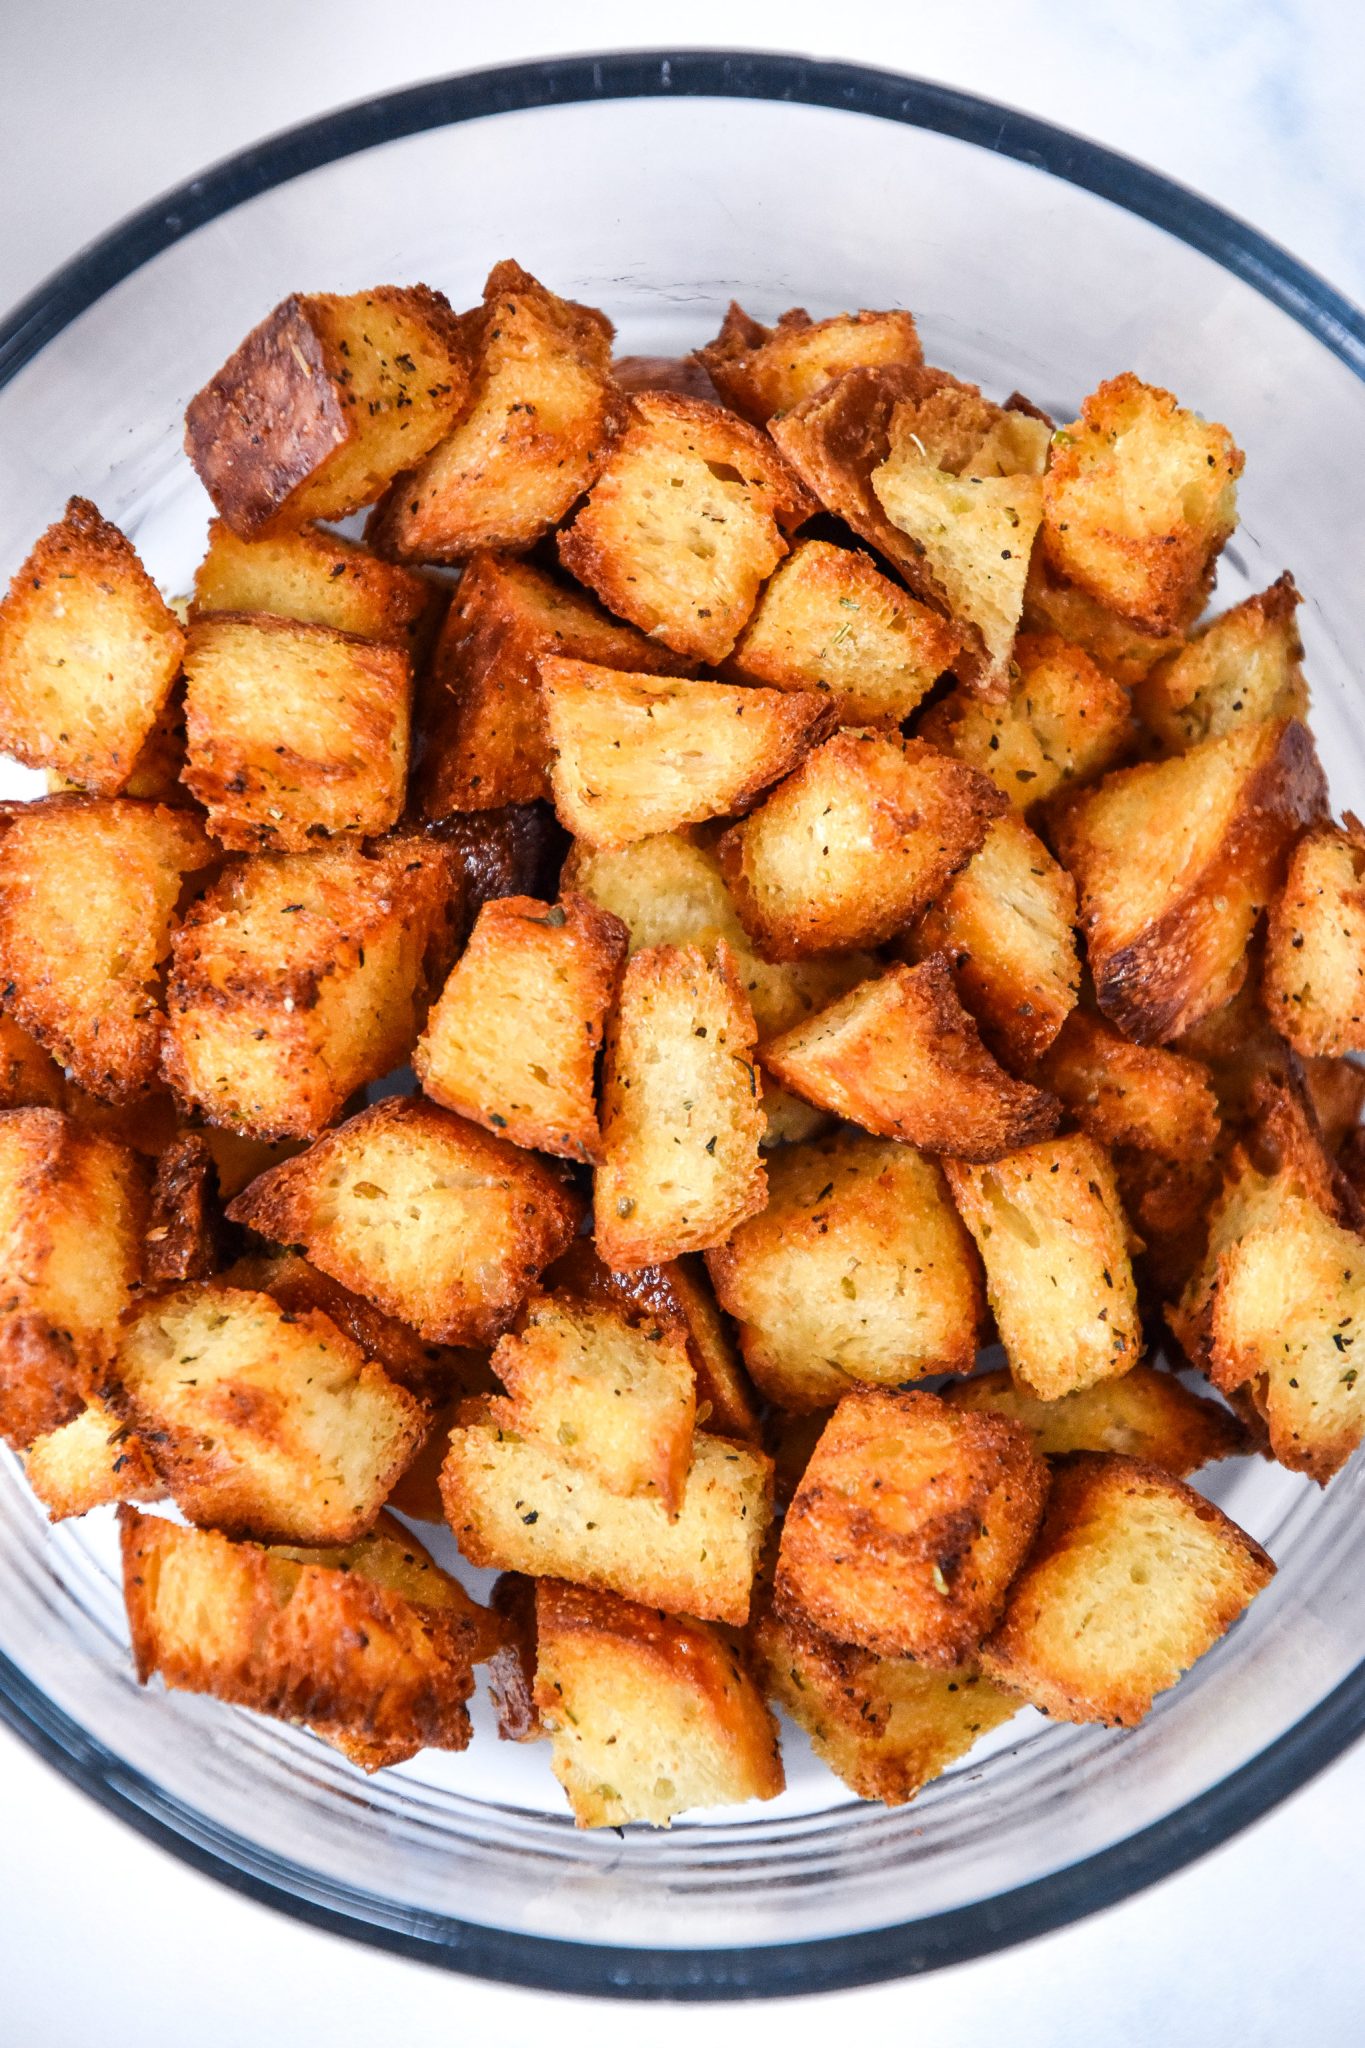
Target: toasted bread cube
x=90, y=1462
x=88, y=654
x=902, y=1058
x=649, y=1716
x=324, y=402
x=1133, y=1577
x=854, y=844
x=88, y=891
x=1144, y=1096
x=858, y=1271
x=185, y=1226
x=1314, y=977
x=1115, y=645
x=830, y=621
x=486, y=739
x=372, y=1641
x=299, y=977
x=29, y=1076
x=1241, y=667
x=1052, y=1236
x=427, y=1216
x=685, y=523
x=838, y=436
x=765, y=370
x=320, y=579
x=910, y=1521
x=682, y=1116
x=1174, y=861
x=517, y=1506
x=1140, y=497
x=1006, y=926
x=1145, y=1414
x=1063, y=722
x=540, y=418
x=295, y=731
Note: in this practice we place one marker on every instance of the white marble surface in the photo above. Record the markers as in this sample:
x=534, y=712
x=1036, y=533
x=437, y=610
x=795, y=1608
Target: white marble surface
x=1257, y=105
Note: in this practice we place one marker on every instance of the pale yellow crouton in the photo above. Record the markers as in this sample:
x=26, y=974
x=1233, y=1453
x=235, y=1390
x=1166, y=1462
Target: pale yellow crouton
x=1063, y=722
x=765, y=370
x=1241, y=667
x=1314, y=976
x=321, y=579
x=90, y=1462
x=1145, y=1414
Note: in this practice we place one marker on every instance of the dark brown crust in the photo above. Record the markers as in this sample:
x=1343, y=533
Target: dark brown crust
x=43, y=1383
x=512, y=1667
x=185, y=1229
x=683, y=374
x=517, y=850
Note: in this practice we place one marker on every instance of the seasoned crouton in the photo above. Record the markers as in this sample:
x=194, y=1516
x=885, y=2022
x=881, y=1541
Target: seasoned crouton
x=1174, y=861
x=1064, y=721
x=321, y=579
x=1052, y=1237
x=185, y=1226
x=685, y=523
x=427, y=1216
x=88, y=654
x=540, y=418
x=516, y=850
x=848, y=849
x=765, y=370
x=857, y=1271
x=649, y=1716
x=1139, y=499
x=323, y=402
x=512, y=1042
x=908, y=1525
x=637, y=755
x=512, y=1667
x=1133, y=1577
x=29, y=1076
x=1144, y=1096
x=1120, y=649
x=1244, y=666
x=902, y=1058
x=830, y=621
x=517, y=1506
x=1145, y=1414
x=295, y=732
x=88, y=891
x=299, y=977
x=1314, y=977
x=90, y=1462
x=679, y=1166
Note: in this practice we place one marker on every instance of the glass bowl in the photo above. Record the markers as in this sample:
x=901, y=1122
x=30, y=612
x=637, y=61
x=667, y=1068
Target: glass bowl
x=657, y=187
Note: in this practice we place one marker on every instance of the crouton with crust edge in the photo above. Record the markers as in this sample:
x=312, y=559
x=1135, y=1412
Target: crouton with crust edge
x=321, y=579
x=1314, y=975
x=92, y=1461
x=1119, y=649
x=512, y=1666
x=184, y=1235
x=1241, y=667
x=1146, y=1414
x=1144, y=1096
x=762, y=370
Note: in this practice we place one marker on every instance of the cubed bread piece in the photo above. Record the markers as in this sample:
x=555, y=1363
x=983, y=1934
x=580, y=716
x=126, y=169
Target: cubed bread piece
x=512, y=1042
x=295, y=731
x=854, y=844
x=1140, y=496
x=539, y=420
x=485, y=739
x=950, y=426
x=1144, y=1096
x=1145, y=1414
x=685, y=523
x=830, y=621
x=1006, y=926
x=1063, y=722
x=429, y=1217
x=88, y=654
x=324, y=402
x=90, y=1462
x=765, y=370
x=1174, y=862
x=1121, y=649
x=1243, y=666
x=184, y=1238
x=649, y=1716
x=155, y=775
x=1314, y=976
x=858, y=1271
x=517, y=1506
x=682, y=1116
x=299, y=977
x=1052, y=1236
x=1133, y=1577
x=88, y=892
x=910, y=1521
x=29, y=1076
x=321, y=579
x=902, y=1058
x=612, y=1395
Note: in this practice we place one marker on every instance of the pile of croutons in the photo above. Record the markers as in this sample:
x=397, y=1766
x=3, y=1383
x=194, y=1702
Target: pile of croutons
x=838, y=906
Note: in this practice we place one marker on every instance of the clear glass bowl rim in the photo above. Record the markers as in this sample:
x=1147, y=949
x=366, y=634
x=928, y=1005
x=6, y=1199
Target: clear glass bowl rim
x=988, y=1925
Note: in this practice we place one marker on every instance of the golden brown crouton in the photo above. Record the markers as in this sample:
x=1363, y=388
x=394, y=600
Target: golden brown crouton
x=858, y=1271
x=1133, y=1577
x=517, y=1506
x=1140, y=497
x=299, y=977
x=1052, y=1237
x=29, y=1076
x=854, y=844
x=902, y=1058
x=88, y=654
x=908, y=1525
x=1314, y=977
x=1063, y=722
x=685, y=523
x=1054, y=606
x=679, y=1166
x=88, y=891
x=540, y=418
x=427, y=1216
x=512, y=1667
x=649, y=1716
x=1145, y=1414
x=185, y=1226
x=765, y=370
x=1238, y=1046
x=321, y=579
x=90, y=1462
x=512, y=1042
x=1174, y=861
x=295, y=731
x=1241, y=667
x=324, y=402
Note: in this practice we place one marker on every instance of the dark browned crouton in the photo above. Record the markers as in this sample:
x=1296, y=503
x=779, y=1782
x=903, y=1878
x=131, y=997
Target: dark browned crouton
x=1241, y=667
x=1145, y=1414
x=321, y=579
x=517, y=850
x=29, y=1076
x=765, y=370
x=512, y=1666
x=185, y=1226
